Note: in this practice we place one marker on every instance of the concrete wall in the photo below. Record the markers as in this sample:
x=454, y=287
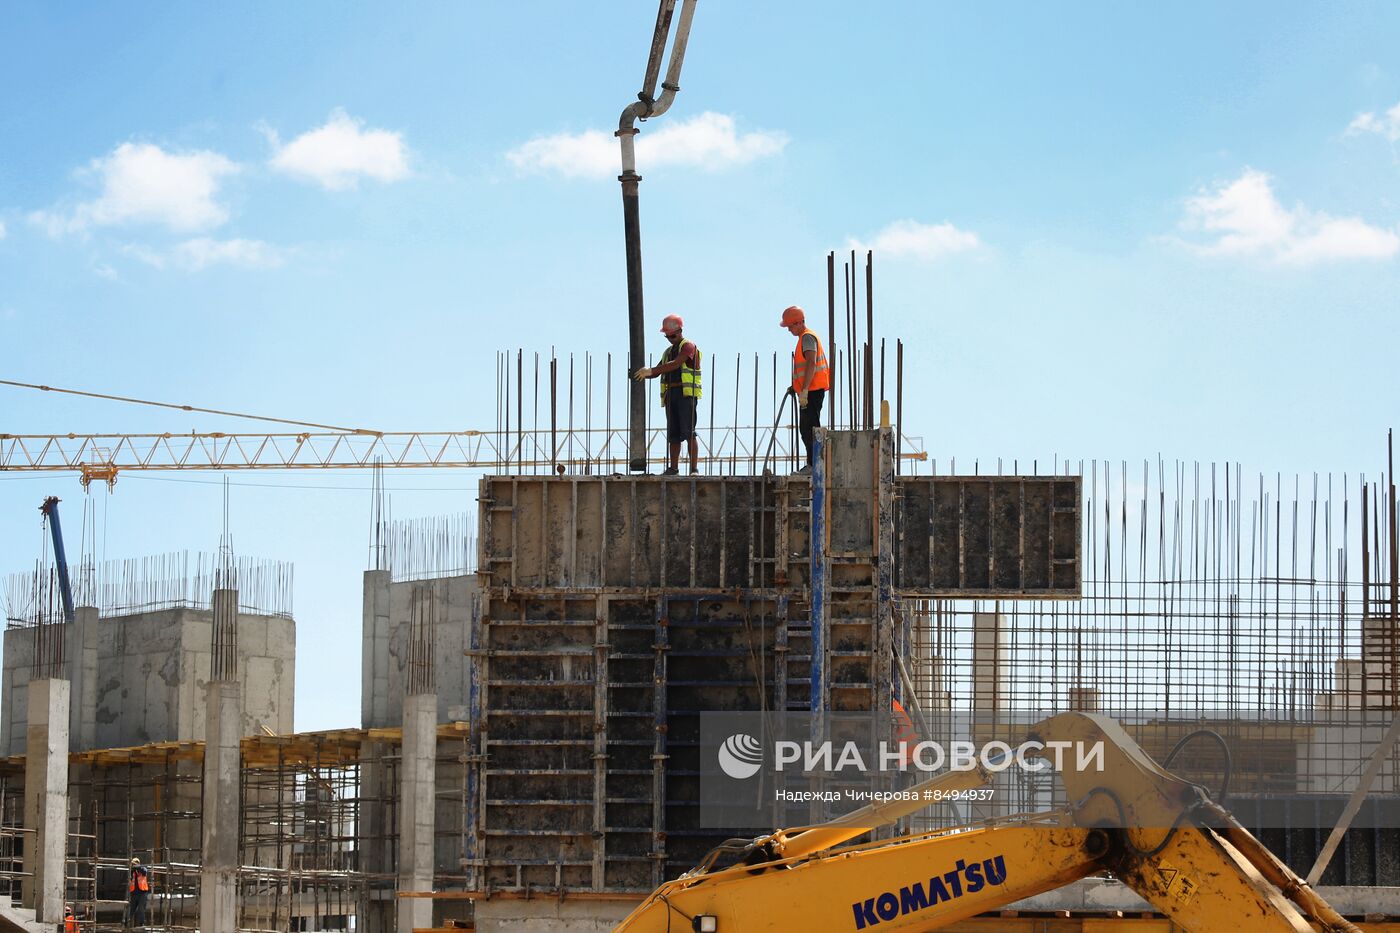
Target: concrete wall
x=151, y=672
x=385, y=642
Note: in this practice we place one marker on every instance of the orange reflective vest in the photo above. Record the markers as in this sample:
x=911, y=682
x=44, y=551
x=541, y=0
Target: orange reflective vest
x=139, y=882
x=905, y=735
x=821, y=379
x=70, y=923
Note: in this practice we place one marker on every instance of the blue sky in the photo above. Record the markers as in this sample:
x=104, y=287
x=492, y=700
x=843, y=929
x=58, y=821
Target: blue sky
x=1103, y=230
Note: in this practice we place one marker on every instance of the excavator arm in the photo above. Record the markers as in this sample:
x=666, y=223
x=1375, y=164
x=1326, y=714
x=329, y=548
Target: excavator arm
x=1160, y=835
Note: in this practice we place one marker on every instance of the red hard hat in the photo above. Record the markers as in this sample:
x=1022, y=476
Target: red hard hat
x=793, y=315
x=671, y=323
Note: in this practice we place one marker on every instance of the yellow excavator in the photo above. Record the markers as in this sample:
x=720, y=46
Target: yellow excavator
x=1160, y=835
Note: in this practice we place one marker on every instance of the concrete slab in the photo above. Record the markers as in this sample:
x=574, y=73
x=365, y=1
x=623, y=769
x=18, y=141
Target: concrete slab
x=21, y=920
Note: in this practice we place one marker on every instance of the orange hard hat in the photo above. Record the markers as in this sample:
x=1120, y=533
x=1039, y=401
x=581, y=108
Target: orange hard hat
x=793, y=315
x=672, y=324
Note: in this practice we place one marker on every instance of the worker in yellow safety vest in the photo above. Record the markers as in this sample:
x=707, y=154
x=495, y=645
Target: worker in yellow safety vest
x=679, y=370
x=811, y=377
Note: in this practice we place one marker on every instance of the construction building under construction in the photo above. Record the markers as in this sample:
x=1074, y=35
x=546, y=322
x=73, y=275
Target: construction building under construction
x=532, y=678
x=528, y=739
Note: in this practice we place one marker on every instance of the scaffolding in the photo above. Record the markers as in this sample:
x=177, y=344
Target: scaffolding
x=12, y=831
x=318, y=836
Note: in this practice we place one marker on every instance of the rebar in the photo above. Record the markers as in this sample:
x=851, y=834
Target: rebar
x=430, y=547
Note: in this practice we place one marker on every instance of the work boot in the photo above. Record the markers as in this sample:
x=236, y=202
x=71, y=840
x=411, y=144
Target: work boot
x=670, y=471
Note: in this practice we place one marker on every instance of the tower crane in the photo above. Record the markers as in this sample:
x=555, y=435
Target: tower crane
x=102, y=457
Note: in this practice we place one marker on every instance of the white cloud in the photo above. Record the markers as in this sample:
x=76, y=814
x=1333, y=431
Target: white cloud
x=1246, y=219
x=909, y=239
x=250, y=254
x=707, y=141
x=1386, y=124
x=337, y=154
x=200, y=253
x=2, y=230
x=143, y=183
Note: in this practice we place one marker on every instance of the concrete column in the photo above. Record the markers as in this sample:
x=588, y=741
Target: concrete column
x=374, y=653
x=417, y=799
x=82, y=667
x=218, y=889
x=989, y=667
x=46, y=798
x=373, y=910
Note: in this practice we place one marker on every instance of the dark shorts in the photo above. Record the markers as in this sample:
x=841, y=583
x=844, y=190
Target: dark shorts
x=680, y=418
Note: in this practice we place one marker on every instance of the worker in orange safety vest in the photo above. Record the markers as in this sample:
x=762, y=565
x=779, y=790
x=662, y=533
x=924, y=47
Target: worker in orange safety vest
x=905, y=735
x=138, y=889
x=811, y=377
x=70, y=922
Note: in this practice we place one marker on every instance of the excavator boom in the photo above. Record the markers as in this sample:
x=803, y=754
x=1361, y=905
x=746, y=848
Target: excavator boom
x=1160, y=835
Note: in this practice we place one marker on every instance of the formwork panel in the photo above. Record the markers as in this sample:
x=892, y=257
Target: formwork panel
x=681, y=533
x=616, y=611
x=619, y=509
x=678, y=504
x=648, y=534
x=736, y=541
x=527, y=536
x=851, y=493
x=589, y=534
x=1005, y=537
x=638, y=671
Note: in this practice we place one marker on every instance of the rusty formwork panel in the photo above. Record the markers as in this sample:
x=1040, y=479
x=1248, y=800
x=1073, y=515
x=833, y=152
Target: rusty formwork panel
x=614, y=611
x=692, y=534
x=1002, y=537
x=588, y=728
x=955, y=536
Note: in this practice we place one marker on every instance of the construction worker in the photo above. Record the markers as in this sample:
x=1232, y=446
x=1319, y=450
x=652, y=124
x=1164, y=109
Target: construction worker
x=138, y=888
x=905, y=735
x=679, y=370
x=70, y=922
x=811, y=377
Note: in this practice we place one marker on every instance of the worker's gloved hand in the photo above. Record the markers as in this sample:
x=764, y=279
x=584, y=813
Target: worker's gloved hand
x=802, y=399
x=643, y=373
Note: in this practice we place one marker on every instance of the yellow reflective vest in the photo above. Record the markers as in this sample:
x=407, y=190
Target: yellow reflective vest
x=685, y=378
